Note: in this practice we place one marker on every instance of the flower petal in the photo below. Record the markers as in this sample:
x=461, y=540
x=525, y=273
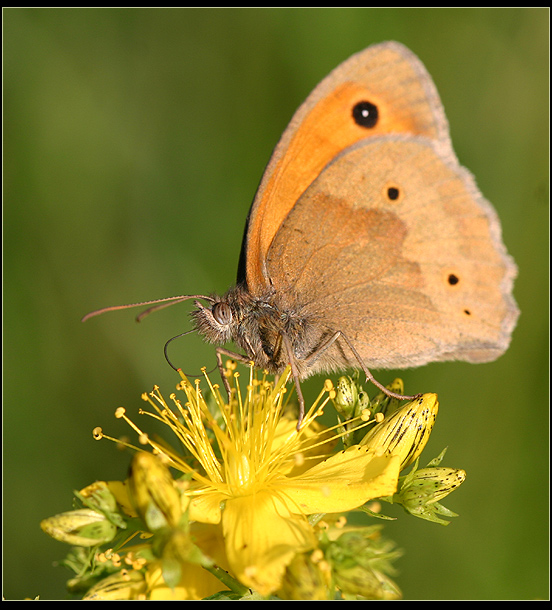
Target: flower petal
x=205, y=507
x=344, y=481
x=262, y=537
x=316, y=440
x=120, y=490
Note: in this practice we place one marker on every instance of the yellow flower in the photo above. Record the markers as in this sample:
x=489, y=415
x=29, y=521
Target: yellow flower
x=259, y=507
x=258, y=476
x=195, y=583
x=179, y=545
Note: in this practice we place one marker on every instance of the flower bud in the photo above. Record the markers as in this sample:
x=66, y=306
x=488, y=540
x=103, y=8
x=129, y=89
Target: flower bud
x=346, y=396
x=361, y=565
x=383, y=403
x=177, y=549
x=406, y=431
x=350, y=398
x=357, y=580
x=306, y=578
x=98, y=496
x=153, y=493
x=123, y=585
x=83, y=527
x=421, y=492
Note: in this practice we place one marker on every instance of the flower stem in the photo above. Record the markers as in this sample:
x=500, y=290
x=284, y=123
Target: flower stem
x=226, y=579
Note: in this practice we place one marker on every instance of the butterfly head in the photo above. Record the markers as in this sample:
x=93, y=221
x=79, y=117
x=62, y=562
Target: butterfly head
x=215, y=321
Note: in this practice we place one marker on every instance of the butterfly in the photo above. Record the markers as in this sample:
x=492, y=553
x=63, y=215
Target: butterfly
x=367, y=244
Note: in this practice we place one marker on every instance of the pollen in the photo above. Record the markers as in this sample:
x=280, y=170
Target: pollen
x=341, y=522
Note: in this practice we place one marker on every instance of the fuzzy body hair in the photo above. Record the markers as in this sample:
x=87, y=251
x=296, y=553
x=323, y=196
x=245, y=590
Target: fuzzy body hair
x=259, y=324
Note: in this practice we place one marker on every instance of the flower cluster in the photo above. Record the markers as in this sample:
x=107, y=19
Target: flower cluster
x=252, y=506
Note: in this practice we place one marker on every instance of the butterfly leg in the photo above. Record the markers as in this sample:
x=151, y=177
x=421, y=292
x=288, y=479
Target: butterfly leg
x=369, y=377
x=220, y=351
x=295, y=373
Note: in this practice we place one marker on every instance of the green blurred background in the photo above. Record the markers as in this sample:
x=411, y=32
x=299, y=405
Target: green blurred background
x=134, y=140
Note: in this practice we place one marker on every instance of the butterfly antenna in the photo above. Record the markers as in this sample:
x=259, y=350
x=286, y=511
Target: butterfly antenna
x=157, y=304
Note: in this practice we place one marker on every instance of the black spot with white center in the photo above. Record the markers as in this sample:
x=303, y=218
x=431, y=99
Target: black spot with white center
x=366, y=114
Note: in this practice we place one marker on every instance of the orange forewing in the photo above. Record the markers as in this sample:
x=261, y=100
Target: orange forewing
x=323, y=127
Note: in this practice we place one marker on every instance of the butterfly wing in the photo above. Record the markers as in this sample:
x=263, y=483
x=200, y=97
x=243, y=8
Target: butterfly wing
x=387, y=76
x=394, y=245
